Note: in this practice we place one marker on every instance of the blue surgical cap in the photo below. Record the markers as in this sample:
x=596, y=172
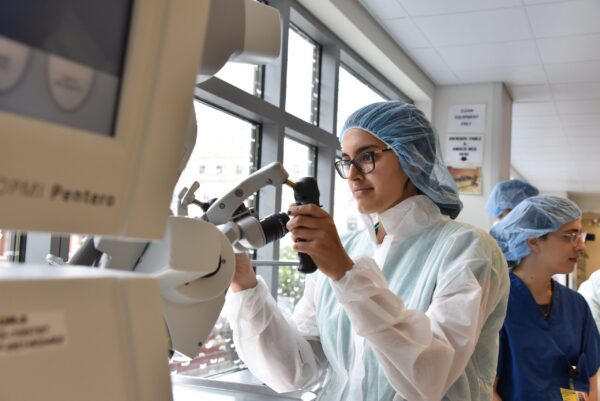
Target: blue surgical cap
x=532, y=218
x=508, y=194
x=405, y=129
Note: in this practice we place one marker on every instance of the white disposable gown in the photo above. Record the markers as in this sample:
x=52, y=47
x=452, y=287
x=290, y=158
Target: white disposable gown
x=416, y=318
x=590, y=289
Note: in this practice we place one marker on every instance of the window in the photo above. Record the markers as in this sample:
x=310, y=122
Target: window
x=4, y=245
x=234, y=148
x=75, y=241
x=243, y=76
x=225, y=144
x=352, y=94
x=302, y=86
x=298, y=160
x=238, y=133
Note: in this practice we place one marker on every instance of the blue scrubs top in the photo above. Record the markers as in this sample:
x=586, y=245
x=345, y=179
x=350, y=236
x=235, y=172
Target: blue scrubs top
x=536, y=355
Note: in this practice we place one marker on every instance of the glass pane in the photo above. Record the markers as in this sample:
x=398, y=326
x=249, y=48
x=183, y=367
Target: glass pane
x=4, y=245
x=345, y=215
x=298, y=160
x=352, y=94
x=243, y=76
x=223, y=156
x=302, y=93
x=75, y=241
x=217, y=356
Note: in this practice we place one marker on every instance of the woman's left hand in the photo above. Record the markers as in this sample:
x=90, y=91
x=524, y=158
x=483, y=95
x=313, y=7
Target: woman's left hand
x=314, y=233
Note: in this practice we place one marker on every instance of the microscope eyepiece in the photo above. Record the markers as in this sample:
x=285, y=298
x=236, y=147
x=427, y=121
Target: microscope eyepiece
x=274, y=226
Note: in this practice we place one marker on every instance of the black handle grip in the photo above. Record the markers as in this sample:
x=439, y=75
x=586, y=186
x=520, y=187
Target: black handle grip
x=306, y=191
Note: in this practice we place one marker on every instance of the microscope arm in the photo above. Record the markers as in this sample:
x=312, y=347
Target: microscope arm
x=222, y=210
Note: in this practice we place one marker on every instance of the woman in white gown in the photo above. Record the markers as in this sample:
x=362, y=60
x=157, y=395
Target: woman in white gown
x=409, y=308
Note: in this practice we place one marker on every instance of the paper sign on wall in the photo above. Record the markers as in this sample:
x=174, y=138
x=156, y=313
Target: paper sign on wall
x=466, y=118
x=464, y=150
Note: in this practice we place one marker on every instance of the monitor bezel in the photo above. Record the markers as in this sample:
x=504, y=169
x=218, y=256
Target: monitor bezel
x=138, y=166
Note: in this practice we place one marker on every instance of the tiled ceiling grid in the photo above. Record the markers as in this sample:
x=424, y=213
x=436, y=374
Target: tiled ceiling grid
x=547, y=53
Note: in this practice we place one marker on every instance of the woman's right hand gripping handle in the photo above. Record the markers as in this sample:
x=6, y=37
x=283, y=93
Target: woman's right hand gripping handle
x=244, y=276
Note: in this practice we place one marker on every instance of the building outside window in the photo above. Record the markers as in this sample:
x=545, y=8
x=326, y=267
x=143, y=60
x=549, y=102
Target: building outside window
x=234, y=146
x=4, y=245
x=352, y=94
x=299, y=158
x=302, y=86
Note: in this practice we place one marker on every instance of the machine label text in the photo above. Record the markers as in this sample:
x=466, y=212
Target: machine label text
x=23, y=188
x=26, y=332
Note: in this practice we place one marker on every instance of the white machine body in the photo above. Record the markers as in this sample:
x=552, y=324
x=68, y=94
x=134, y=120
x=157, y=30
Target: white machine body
x=80, y=334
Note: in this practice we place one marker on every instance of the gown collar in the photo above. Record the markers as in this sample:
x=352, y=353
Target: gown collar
x=407, y=218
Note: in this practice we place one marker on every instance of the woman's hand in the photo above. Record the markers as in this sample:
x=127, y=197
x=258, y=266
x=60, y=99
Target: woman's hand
x=244, y=277
x=313, y=232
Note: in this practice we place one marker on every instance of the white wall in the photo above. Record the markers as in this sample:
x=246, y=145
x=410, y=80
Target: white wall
x=586, y=202
x=497, y=133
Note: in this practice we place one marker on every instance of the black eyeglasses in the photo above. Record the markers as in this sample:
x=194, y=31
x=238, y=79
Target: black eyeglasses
x=364, y=162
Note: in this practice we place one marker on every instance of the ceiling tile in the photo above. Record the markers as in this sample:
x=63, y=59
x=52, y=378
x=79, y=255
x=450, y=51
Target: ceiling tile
x=548, y=142
x=578, y=107
x=533, y=109
x=588, y=71
x=576, y=91
x=436, y=7
x=592, y=144
x=578, y=120
x=512, y=75
x=582, y=150
x=561, y=19
x=434, y=66
x=530, y=93
x=475, y=28
x=490, y=55
x=536, y=122
x=384, y=9
x=406, y=33
x=570, y=48
x=589, y=131
x=538, y=133
x=544, y=1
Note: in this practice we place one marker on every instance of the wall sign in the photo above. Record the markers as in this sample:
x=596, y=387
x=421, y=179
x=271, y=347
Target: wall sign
x=464, y=150
x=466, y=118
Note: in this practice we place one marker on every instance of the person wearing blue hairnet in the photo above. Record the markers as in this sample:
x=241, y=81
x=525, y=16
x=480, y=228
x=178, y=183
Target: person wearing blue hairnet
x=407, y=309
x=506, y=195
x=549, y=343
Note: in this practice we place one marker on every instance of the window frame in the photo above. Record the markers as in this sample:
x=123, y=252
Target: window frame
x=266, y=109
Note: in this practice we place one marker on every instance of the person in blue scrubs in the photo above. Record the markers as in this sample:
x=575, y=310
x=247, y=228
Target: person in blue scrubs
x=549, y=343
x=506, y=195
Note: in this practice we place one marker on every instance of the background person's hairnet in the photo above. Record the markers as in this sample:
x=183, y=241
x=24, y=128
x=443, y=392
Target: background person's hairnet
x=405, y=129
x=508, y=194
x=532, y=218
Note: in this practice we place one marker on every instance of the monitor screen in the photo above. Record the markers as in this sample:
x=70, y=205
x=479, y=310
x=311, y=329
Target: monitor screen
x=62, y=61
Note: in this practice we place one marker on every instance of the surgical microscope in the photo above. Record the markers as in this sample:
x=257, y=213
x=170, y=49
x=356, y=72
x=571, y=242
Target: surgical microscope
x=94, y=105
x=192, y=287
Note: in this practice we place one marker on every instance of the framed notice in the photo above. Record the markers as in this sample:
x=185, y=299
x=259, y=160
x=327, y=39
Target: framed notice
x=466, y=118
x=468, y=180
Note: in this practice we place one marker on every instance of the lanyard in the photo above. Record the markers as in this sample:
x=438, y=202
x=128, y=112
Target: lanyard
x=573, y=374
